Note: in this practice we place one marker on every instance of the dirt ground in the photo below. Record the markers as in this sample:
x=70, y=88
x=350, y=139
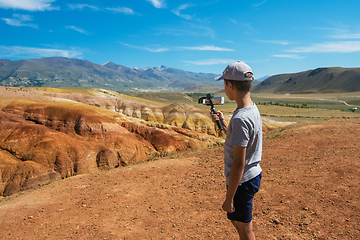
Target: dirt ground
x=310, y=190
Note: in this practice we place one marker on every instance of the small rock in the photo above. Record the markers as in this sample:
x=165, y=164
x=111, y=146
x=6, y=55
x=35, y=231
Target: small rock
x=276, y=221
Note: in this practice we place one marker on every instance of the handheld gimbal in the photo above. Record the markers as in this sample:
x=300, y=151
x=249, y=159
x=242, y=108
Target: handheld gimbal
x=211, y=101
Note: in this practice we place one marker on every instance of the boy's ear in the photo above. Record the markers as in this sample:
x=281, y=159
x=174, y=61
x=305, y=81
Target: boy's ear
x=230, y=85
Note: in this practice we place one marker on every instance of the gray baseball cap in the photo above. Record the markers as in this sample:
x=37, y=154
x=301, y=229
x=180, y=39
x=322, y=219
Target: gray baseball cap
x=236, y=71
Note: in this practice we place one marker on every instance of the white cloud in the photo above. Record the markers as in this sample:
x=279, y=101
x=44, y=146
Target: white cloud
x=346, y=36
x=82, y=6
x=77, y=29
x=210, y=62
x=259, y=4
x=343, y=32
x=157, y=3
x=208, y=48
x=279, y=42
x=158, y=48
x=177, y=11
x=151, y=48
x=293, y=56
x=29, y=5
x=188, y=29
x=331, y=47
x=125, y=10
x=122, y=10
x=30, y=52
x=20, y=20
x=242, y=24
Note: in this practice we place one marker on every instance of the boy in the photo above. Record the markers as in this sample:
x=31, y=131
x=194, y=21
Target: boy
x=242, y=149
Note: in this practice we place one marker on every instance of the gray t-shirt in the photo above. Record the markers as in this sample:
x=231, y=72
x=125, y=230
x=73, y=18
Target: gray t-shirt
x=245, y=130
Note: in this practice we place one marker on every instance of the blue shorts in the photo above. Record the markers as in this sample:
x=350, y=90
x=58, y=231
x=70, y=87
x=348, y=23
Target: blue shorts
x=243, y=200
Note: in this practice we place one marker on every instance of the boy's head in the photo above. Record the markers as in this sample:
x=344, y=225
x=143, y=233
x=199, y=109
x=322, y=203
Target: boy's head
x=239, y=74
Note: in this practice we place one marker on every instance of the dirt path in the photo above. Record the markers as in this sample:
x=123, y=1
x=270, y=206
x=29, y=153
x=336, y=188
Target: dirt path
x=310, y=190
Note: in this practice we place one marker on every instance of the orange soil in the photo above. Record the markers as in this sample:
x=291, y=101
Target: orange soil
x=310, y=190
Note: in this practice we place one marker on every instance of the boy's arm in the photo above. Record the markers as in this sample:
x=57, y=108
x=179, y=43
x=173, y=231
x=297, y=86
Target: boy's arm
x=236, y=172
x=219, y=116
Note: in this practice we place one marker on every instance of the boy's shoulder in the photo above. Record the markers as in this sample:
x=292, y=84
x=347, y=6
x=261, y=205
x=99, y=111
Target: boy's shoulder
x=250, y=111
x=249, y=116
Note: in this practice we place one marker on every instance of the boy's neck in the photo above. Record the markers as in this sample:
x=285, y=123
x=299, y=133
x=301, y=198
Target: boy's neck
x=243, y=100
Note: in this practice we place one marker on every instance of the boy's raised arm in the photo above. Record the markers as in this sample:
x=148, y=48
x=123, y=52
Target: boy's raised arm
x=219, y=116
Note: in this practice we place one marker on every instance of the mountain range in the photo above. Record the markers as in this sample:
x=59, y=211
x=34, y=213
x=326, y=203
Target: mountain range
x=78, y=73
x=320, y=80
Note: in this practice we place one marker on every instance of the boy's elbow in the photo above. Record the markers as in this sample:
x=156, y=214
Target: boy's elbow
x=238, y=165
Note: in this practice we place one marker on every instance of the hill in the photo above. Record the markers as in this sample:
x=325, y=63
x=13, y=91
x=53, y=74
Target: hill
x=320, y=80
x=305, y=194
x=48, y=135
x=78, y=73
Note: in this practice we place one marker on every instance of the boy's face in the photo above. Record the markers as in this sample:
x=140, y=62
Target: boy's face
x=228, y=91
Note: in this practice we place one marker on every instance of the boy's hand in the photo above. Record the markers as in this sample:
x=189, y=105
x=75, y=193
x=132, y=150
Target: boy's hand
x=218, y=116
x=228, y=206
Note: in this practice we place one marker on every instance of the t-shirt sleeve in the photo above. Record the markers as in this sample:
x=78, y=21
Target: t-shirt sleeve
x=240, y=133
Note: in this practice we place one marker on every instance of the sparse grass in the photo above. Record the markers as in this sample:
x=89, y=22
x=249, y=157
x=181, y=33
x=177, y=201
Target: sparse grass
x=6, y=101
x=330, y=101
x=94, y=92
x=135, y=98
x=161, y=98
x=277, y=135
x=64, y=90
x=49, y=182
x=321, y=106
x=329, y=105
x=151, y=159
x=4, y=199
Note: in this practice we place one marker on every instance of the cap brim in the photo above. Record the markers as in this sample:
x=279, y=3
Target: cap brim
x=219, y=78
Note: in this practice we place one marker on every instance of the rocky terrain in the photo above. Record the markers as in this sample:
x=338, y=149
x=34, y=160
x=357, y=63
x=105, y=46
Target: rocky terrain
x=310, y=190
x=45, y=136
x=101, y=166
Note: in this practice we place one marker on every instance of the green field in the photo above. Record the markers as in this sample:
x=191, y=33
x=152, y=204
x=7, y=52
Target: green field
x=300, y=107
x=280, y=107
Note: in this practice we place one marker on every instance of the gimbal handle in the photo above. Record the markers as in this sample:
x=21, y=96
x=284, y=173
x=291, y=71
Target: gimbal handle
x=208, y=97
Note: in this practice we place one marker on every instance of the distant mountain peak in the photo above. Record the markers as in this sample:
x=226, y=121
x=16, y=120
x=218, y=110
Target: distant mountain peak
x=262, y=78
x=81, y=73
x=161, y=68
x=319, y=80
x=108, y=64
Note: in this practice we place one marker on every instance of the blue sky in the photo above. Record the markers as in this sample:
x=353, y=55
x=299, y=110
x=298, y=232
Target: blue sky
x=272, y=36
